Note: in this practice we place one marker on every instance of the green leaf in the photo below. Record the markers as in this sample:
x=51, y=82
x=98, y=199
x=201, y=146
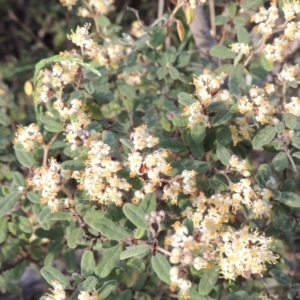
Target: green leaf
x=162, y=72
x=236, y=74
x=102, y=94
x=252, y=4
x=126, y=90
x=223, y=154
x=136, y=215
x=268, y=66
x=51, y=274
x=290, y=120
x=54, y=126
x=24, y=224
x=186, y=164
x=110, y=229
x=218, y=183
x=161, y=267
x=279, y=217
x=175, y=146
x=264, y=173
x=296, y=142
x=8, y=203
x=223, y=135
x=69, y=259
x=136, y=264
x=222, y=117
x=174, y=73
x=3, y=229
x=110, y=258
x=264, y=137
x=106, y=288
x=208, y=280
x=75, y=237
x=109, y=139
x=87, y=263
x=216, y=106
x=137, y=250
x=240, y=21
x=243, y=35
x=170, y=55
x=186, y=99
x=290, y=199
x=126, y=295
x=239, y=295
x=221, y=20
x=280, y=277
x=257, y=71
x=232, y=8
x=196, y=148
x=277, y=246
x=88, y=285
x=221, y=52
x=89, y=86
x=280, y=162
x=18, y=179
x=127, y=142
x=73, y=164
x=148, y=204
x=25, y=158
x=198, y=133
x=158, y=37
x=236, y=91
x=183, y=59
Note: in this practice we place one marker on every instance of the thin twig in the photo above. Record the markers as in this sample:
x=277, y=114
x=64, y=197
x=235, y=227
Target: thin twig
x=212, y=14
x=287, y=152
x=162, y=250
x=47, y=147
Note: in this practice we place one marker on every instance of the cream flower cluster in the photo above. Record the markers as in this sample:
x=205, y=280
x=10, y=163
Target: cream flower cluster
x=293, y=107
x=62, y=74
x=108, y=56
x=289, y=73
x=278, y=50
x=28, y=137
x=258, y=104
x=137, y=29
x=150, y=166
x=240, y=129
x=142, y=138
x=99, y=178
x=236, y=164
x=194, y=3
x=290, y=8
x=83, y=295
x=241, y=48
x=244, y=194
x=187, y=186
x=244, y=252
x=208, y=87
x=76, y=135
x=68, y=3
x=266, y=19
x=178, y=280
x=49, y=180
x=58, y=293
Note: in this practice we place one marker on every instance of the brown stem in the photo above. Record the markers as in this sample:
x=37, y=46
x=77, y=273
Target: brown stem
x=287, y=152
x=47, y=147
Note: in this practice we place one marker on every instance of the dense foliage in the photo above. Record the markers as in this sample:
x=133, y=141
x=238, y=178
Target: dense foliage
x=150, y=170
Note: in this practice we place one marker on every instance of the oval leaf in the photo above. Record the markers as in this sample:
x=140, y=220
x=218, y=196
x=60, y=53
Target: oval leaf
x=161, y=267
x=136, y=215
x=110, y=229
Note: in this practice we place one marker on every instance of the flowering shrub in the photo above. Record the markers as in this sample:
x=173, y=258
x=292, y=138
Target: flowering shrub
x=168, y=176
